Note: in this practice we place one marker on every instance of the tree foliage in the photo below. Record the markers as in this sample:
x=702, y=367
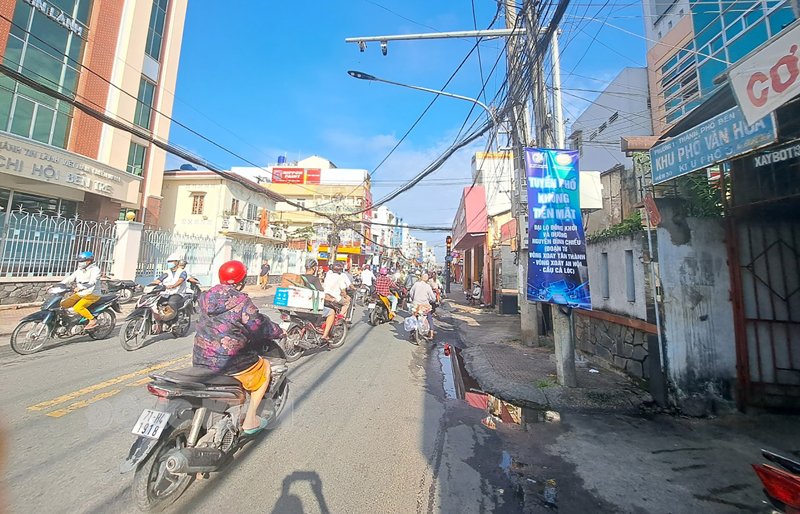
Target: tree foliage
x=629, y=225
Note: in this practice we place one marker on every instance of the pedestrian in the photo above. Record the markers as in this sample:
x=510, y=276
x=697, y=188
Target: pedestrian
x=263, y=277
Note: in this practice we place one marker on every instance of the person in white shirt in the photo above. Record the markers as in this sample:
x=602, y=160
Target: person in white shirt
x=422, y=295
x=367, y=277
x=87, y=288
x=176, y=283
x=336, y=285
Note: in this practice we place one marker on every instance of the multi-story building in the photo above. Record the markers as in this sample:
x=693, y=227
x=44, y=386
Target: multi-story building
x=316, y=183
x=204, y=203
x=692, y=42
x=119, y=58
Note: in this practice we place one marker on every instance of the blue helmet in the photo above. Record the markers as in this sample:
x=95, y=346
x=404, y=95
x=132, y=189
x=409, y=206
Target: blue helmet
x=85, y=256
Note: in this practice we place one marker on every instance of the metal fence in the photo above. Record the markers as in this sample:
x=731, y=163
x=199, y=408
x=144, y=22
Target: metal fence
x=36, y=245
x=247, y=252
x=156, y=245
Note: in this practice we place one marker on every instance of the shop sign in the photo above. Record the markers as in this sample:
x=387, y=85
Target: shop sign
x=59, y=16
x=723, y=137
x=770, y=77
x=29, y=159
x=557, y=270
x=777, y=155
x=296, y=176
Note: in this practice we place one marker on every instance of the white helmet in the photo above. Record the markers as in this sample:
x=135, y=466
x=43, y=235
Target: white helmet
x=174, y=256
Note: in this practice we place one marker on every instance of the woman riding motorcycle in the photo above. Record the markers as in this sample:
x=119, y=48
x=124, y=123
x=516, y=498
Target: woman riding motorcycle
x=230, y=333
x=87, y=288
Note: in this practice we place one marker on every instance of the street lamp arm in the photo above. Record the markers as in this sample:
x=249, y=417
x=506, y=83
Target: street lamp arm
x=367, y=76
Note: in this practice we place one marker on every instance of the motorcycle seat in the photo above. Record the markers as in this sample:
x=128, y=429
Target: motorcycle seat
x=197, y=378
x=105, y=299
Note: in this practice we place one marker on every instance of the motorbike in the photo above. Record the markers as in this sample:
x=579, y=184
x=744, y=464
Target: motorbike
x=380, y=310
x=34, y=330
x=124, y=289
x=417, y=325
x=304, y=330
x=365, y=293
x=195, y=427
x=782, y=488
x=148, y=318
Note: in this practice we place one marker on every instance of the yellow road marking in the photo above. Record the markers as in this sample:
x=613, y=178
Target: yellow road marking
x=139, y=382
x=82, y=403
x=85, y=390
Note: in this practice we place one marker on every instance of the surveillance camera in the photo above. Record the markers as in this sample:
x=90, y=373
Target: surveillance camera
x=362, y=46
x=384, y=48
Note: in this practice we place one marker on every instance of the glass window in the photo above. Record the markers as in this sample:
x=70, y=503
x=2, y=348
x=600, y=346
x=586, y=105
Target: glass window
x=747, y=42
x=23, y=116
x=144, y=107
x=733, y=30
x=716, y=45
x=704, y=13
x=155, y=31
x=197, y=203
x=235, y=207
x=708, y=71
x=43, y=124
x=136, y=156
x=713, y=30
x=780, y=19
x=252, y=211
x=5, y=196
x=753, y=16
x=68, y=208
x=34, y=203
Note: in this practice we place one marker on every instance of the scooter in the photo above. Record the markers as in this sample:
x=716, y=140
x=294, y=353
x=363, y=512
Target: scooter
x=304, y=329
x=195, y=427
x=124, y=289
x=34, y=330
x=148, y=318
x=380, y=309
x=417, y=325
x=782, y=488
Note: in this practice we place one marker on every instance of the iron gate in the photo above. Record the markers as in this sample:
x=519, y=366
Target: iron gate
x=766, y=297
x=156, y=246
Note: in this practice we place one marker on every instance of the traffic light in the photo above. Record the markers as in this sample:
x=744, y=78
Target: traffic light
x=449, y=242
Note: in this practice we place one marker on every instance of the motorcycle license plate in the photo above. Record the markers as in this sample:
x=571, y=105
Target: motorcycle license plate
x=151, y=423
x=371, y=306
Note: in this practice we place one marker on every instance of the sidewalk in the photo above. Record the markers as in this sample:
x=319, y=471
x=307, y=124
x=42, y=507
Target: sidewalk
x=503, y=367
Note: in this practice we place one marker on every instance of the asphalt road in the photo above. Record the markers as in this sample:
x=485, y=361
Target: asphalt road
x=369, y=429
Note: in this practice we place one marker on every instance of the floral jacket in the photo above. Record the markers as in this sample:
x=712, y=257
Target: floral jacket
x=230, y=330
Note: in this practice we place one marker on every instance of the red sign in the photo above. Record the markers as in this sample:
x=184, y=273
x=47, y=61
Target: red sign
x=508, y=231
x=652, y=210
x=288, y=175
x=313, y=176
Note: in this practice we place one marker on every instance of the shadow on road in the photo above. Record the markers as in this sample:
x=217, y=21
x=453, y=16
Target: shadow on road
x=289, y=503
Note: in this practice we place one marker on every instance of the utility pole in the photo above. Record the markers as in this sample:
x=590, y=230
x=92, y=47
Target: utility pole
x=520, y=136
x=546, y=129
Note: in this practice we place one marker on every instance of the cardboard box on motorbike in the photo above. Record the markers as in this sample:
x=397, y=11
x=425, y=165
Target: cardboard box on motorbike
x=299, y=298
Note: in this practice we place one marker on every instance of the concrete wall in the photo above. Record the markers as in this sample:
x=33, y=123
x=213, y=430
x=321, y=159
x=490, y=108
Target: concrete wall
x=698, y=315
x=617, y=301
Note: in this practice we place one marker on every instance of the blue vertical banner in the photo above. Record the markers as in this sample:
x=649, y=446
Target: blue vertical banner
x=557, y=270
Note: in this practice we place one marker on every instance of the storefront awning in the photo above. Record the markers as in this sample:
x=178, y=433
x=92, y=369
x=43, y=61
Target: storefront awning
x=471, y=222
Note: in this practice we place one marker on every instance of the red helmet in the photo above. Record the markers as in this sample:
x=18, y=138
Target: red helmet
x=232, y=272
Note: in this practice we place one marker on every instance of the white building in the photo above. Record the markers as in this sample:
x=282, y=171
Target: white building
x=494, y=171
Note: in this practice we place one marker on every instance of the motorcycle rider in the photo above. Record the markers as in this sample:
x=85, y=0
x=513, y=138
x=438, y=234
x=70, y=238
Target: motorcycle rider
x=411, y=279
x=336, y=285
x=367, y=277
x=384, y=286
x=423, y=296
x=230, y=332
x=87, y=288
x=312, y=280
x=175, y=281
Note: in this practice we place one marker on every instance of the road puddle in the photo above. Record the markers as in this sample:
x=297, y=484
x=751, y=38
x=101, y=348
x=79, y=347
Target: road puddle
x=544, y=490
x=458, y=384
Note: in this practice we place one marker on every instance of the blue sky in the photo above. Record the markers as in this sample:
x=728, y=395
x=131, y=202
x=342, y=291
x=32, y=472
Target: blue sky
x=269, y=79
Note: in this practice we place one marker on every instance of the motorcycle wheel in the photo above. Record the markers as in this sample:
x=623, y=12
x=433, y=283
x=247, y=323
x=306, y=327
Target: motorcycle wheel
x=365, y=299
x=125, y=295
x=133, y=333
x=21, y=341
x=183, y=324
x=292, y=351
x=338, y=334
x=154, y=488
x=374, y=317
x=280, y=404
x=106, y=322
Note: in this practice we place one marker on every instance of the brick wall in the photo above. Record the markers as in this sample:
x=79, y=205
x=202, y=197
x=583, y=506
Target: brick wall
x=153, y=212
x=7, y=11
x=99, y=56
x=98, y=208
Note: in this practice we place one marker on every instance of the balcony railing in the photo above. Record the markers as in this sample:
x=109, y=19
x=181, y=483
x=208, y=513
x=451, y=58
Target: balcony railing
x=248, y=227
